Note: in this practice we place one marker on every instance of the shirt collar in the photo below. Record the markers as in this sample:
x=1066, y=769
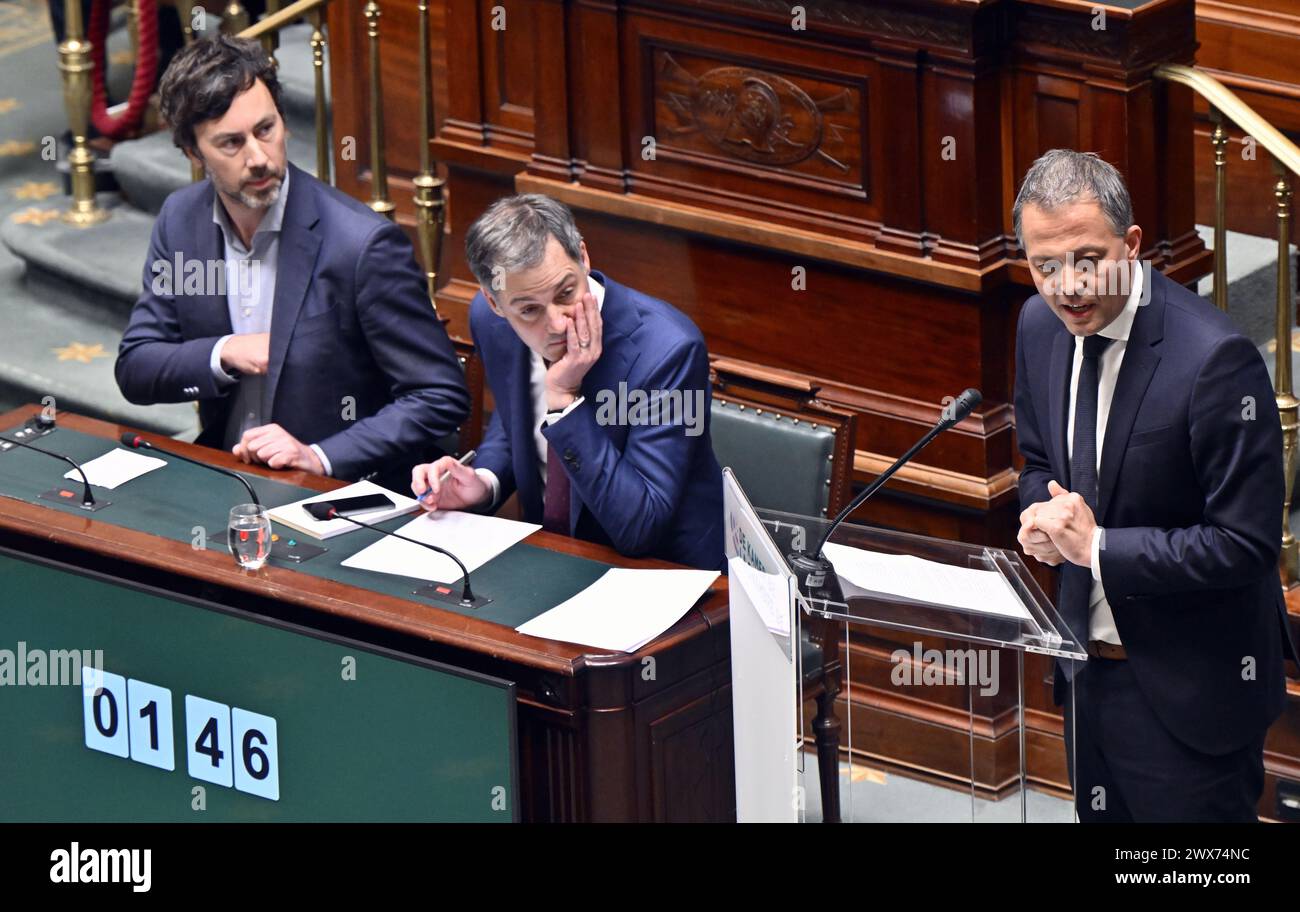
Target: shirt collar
x=1120, y=327
x=271, y=222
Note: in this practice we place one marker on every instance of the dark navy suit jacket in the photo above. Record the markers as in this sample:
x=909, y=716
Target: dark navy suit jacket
x=351, y=318
x=1190, y=497
x=645, y=490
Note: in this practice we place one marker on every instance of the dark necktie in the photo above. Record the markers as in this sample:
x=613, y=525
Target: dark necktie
x=555, y=499
x=1076, y=581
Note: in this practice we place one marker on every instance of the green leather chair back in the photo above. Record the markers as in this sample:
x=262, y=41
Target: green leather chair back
x=781, y=462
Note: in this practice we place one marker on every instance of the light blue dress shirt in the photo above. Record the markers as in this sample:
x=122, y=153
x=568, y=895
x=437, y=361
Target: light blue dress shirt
x=250, y=296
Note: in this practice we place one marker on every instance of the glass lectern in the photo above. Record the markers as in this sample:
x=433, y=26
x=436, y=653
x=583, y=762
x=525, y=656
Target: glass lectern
x=926, y=651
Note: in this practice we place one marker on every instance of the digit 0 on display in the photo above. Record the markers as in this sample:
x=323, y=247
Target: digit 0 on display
x=130, y=718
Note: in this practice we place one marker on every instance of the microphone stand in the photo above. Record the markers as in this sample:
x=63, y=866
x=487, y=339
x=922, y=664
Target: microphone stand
x=437, y=591
x=815, y=572
x=61, y=495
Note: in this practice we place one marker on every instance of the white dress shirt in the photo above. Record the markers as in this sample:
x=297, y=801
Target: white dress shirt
x=537, y=393
x=1101, y=622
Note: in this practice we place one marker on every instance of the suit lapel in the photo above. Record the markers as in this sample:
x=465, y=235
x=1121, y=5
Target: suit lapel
x=1140, y=361
x=299, y=246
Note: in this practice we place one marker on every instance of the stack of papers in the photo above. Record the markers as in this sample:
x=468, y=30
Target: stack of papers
x=982, y=591
x=297, y=518
x=472, y=537
x=116, y=467
x=624, y=609
x=767, y=592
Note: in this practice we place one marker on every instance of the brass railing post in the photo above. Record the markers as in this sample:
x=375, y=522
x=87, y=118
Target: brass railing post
x=1286, y=401
x=74, y=65
x=185, y=12
x=322, y=125
x=1226, y=106
x=234, y=18
x=430, y=206
x=271, y=40
x=379, y=200
x=1219, y=139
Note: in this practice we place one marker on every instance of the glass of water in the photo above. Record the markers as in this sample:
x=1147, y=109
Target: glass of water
x=249, y=535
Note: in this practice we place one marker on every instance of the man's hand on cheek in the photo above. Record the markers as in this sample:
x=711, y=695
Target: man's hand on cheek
x=564, y=377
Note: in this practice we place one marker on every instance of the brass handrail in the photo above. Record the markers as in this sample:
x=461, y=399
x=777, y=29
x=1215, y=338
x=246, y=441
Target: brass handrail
x=1225, y=105
x=273, y=22
x=1236, y=110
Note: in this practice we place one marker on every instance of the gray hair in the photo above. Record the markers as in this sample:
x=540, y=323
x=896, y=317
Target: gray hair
x=1064, y=176
x=513, y=233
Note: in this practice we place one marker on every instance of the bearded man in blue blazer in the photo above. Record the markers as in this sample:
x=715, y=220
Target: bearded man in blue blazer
x=292, y=313
x=1153, y=479
x=602, y=397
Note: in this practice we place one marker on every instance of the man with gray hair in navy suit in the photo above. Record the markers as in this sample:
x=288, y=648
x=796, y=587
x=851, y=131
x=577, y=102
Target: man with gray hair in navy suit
x=1153, y=480
x=602, y=397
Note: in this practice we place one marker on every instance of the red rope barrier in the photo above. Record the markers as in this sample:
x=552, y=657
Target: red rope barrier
x=146, y=70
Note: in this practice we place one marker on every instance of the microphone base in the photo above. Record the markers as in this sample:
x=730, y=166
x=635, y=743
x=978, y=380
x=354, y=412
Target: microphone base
x=294, y=551
x=71, y=498
x=449, y=594
x=816, y=576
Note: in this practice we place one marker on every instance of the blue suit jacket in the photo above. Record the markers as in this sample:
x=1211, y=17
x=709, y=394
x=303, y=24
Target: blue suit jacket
x=1190, y=497
x=645, y=490
x=351, y=318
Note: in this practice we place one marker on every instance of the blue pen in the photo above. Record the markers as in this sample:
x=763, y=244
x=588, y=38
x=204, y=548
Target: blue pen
x=442, y=480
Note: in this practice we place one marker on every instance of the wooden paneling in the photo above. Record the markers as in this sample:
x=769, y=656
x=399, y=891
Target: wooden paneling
x=832, y=200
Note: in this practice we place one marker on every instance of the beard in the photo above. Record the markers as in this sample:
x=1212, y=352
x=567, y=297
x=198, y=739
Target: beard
x=264, y=198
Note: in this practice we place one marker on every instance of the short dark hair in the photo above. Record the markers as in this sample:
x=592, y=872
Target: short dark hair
x=204, y=79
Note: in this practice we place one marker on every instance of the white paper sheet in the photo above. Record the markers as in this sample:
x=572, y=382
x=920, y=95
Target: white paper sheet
x=769, y=594
x=624, y=609
x=472, y=537
x=116, y=467
x=912, y=577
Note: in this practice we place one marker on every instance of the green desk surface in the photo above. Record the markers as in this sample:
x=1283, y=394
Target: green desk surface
x=174, y=501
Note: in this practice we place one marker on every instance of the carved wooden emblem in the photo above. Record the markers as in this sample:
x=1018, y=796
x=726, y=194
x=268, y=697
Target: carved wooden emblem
x=750, y=114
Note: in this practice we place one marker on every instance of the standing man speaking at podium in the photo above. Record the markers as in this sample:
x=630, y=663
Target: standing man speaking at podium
x=294, y=314
x=602, y=397
x=1153, y=479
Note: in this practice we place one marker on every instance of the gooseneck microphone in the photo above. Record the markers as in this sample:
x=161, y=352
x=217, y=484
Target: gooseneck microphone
x=816, y=574
x=87, y=499
x=136, y=442
x=324, y=510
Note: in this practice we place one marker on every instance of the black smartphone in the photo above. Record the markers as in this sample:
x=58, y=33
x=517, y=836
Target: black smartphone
x=351, y=506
